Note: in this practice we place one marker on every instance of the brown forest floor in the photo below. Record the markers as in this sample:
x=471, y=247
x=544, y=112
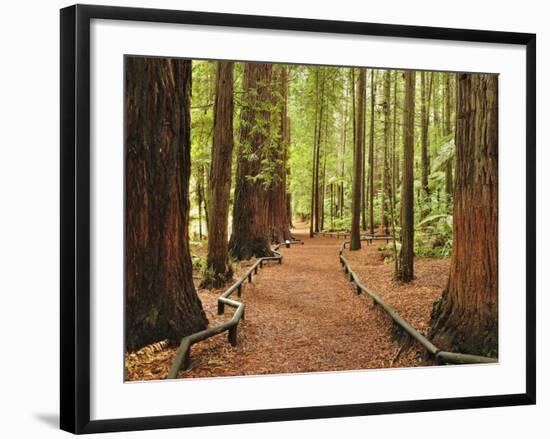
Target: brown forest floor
x=303, y=316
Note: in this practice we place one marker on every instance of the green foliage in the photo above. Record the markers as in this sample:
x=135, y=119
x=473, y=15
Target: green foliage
x=434, y=236
x=433, y=210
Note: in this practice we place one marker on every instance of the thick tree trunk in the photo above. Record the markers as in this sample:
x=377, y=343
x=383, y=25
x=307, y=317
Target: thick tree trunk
x=406, y=270
x=355, y=243
x=161, y=300
x=465, y=319
x=279, y=220
x=218, y=270
x=250, y=235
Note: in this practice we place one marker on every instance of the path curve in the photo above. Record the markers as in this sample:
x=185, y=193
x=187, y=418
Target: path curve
x=301, y=316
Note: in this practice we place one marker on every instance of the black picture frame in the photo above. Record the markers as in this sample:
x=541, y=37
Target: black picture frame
x=75, y=217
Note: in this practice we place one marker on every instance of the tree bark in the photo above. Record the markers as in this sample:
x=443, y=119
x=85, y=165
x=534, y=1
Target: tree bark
x=161, y=300
x=448, y=130
x=279, y=220
x=406, y=269
x=465, y=319
x=385, y=194
x=218, y=269
x=355, y=243
x=425, y=117
x=250, y=235
x=371, y=153
x=314, y=157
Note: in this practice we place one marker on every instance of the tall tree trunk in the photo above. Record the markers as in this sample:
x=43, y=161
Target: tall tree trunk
x=355, y=243
x=448, y=130
x=342, y=159
x=465, y=319
x=250, y=210
x=314, y=156
x=371, y=153
x=204, y=195
x=218, y=270
x=161, y=300
x=386, y=189
x=406, y=270
x=199, y=202
x=318, y=157
x=353, y=120
x=424, y=115
x=395, y=157
x=364, y=197
x=278, y=212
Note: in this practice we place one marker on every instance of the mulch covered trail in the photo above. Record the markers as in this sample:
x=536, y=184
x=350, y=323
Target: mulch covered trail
x=302, y=316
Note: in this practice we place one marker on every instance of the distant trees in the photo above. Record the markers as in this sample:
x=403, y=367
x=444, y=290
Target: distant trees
x=448, y=130
x=161, y=300
x=218, y=269
x=371, y=152
x=319, y=117
x=355, y=243
x=406, y=269
x=426, y=91
x=466, y=317
x=250, y=235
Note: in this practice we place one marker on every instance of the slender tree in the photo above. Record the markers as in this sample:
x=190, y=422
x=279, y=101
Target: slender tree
x=365, y=172
x=448, y=130
x=218, y=268
x=355, y=243
x=318, y=153
x=161, y=300
x=466, y=317
x=371, y=152
x=250, y=235
x=425, y=87
x=406, y=270
x=385, y=193
x=314, y=156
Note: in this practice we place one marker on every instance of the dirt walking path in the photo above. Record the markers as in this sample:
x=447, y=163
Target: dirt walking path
x=301, y=316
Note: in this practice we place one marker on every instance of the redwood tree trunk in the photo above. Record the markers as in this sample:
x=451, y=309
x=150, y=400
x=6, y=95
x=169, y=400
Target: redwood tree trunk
x=218, y=270
x=278, y=210
x=161, y=300
x=465, y=319
x=250, y=235
x=406, y=270
x=355, y=243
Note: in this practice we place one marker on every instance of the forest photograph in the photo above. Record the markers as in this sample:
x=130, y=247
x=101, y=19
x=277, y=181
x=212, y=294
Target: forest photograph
x=287, y=218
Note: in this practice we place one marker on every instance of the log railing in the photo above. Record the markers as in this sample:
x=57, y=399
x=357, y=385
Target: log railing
x=364, y=237
x=441, y=357
x=183, y=354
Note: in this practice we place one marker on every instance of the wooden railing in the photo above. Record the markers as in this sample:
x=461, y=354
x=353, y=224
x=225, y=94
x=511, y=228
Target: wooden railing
x=183, y=354
x=364, y=237
x=441, y=357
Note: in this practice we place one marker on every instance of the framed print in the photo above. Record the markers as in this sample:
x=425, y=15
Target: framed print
x=340, y=214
